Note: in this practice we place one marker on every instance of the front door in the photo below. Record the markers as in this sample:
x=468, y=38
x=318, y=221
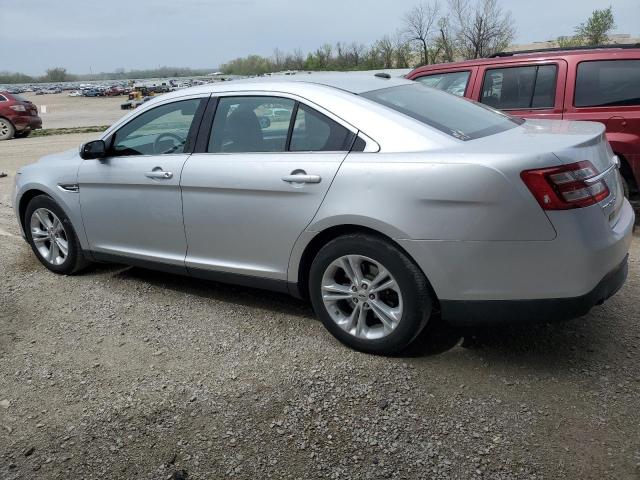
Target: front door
x=260, y=180
x=130, y=200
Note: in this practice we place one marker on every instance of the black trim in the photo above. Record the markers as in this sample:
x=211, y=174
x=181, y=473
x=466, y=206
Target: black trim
x=479, y=312
x=292, y=124
x=240, y=279
x=565, y=49
x=274, y=285
x=204, y=130
x=195, y=126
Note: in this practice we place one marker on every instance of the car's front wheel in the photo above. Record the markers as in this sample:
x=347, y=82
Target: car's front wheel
x=52, y=237
x=369, y=294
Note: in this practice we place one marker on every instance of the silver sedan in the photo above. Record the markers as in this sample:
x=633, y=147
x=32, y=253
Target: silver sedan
x=384, y=202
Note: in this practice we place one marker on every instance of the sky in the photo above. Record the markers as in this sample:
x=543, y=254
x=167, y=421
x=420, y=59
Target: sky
x=86, y=36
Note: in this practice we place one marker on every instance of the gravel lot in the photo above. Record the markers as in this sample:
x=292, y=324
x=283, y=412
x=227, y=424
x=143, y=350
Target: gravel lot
x=63, y=111
x=127, y=373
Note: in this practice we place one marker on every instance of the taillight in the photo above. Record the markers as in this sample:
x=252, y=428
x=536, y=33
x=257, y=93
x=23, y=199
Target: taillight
x=18, y=108
x=566, y=186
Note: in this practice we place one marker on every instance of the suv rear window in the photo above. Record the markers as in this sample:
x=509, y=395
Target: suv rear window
x=458, y=117
x=520, y=88
x=608, y=83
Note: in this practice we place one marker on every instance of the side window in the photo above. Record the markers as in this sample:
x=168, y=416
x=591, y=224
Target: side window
x=3, y=98
x=608, y=83
x=251, y=124
x=315, y=132
x=520, y=87
x=161, y=130
x=452, y=82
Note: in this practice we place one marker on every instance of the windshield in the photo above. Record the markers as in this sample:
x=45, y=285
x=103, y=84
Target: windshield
x=460, y=118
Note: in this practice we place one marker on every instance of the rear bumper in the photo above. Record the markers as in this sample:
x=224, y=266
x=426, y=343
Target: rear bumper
x=27, y=122
x=483, y=312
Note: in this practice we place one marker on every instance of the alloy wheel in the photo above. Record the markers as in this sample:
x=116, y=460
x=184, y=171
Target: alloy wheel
x=49, y=236
x=362, y=297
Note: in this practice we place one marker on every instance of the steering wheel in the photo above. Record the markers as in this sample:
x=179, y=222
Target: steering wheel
x=157, y=144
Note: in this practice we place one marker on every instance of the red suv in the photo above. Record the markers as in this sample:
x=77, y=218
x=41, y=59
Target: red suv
x=597, y=84
x=18, y=116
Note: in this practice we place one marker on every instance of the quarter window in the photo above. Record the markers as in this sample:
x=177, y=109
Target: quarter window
x=520, y=88
x=3, y=98
x=608, y=83
x=161, y=130
x=452, y=82
x=315, y=132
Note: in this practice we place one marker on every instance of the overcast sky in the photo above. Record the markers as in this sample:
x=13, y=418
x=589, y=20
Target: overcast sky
x=99, y=36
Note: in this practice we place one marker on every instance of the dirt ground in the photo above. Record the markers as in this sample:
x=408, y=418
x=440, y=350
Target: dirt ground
x=63, y=111
x=126, y=373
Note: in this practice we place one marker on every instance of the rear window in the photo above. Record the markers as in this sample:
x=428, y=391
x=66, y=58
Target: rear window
x=608, y=83
x=460, y=118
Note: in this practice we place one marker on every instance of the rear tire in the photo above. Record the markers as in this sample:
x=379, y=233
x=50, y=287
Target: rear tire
x=52, y=237
x=345, y=287
x=7, y=129
x=625, y=187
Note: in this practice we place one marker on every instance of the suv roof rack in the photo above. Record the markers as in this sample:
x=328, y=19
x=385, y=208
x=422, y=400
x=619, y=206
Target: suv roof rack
x=561, y=49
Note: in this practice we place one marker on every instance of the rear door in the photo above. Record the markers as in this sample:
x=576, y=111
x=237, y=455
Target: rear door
x=524, y=89
x=255, y=182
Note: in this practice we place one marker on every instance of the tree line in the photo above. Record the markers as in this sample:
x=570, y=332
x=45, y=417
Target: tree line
x=430, y=32
x=59, y=74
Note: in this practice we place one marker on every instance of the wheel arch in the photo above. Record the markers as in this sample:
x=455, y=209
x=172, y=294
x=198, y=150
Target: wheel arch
x=627, y=172
x=301, y=283
x=24, y=201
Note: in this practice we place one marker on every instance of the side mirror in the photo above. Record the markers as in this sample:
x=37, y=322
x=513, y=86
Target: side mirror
x=93, y=149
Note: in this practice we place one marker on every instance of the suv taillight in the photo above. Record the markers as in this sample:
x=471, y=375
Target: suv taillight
x=566, y=186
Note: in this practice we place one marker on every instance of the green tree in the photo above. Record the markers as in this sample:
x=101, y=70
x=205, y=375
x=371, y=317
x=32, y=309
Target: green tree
x=596, y=30
x=57, y=74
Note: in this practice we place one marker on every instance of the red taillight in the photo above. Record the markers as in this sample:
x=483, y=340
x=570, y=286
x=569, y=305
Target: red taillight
x=566, y=186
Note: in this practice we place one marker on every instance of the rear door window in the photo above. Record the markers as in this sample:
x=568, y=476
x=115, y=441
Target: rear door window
x=450, y=82
x=608, y=83
x=315, y=132
x=520, y=88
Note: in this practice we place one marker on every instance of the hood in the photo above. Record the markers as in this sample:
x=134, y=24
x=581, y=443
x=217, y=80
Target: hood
x=67, y=155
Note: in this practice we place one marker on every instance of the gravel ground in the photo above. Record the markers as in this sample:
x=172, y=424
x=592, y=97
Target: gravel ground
x=63, y=111
x=127, y=373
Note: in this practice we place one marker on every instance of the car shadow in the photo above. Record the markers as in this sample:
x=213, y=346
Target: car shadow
x=528, y=344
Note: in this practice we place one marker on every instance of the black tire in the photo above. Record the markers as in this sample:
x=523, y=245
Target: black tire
x=625, y=187
x=74, y=260
x=7, y=129
x=22, y=134
x=416, y=296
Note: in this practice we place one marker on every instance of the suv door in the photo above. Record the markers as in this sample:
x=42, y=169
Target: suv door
x=252, y=186
x=130, y=201
x=529, y=90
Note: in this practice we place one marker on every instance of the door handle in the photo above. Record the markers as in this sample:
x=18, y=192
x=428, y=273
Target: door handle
x=302, y=178
x=159, y=174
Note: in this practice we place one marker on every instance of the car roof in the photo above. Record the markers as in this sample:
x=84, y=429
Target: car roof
x=353, y=82
x=513, y=57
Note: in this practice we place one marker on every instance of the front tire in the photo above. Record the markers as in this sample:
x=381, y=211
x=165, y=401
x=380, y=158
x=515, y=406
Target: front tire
x=22, y=134
x=369, y=294
x=52, y=237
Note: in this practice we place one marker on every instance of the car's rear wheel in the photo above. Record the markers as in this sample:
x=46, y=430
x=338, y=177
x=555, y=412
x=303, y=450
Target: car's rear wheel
x=6, y=129
x=52, y=237
x=369, y=294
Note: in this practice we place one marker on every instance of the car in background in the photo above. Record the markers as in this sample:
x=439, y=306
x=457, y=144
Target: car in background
x=597, y=84
x=18, y=116
x=384, y=202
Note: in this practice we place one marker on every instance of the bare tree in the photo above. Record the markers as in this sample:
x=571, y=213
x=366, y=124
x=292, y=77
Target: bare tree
x=402, y=50
x=356, y=51
x=386, y=50
x=446, y=40
x=483, y=28
x=419, y=23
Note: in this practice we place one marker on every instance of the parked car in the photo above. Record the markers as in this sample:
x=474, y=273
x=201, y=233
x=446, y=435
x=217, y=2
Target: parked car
x=601, y=84
x=18, y=116
x=382, y=201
